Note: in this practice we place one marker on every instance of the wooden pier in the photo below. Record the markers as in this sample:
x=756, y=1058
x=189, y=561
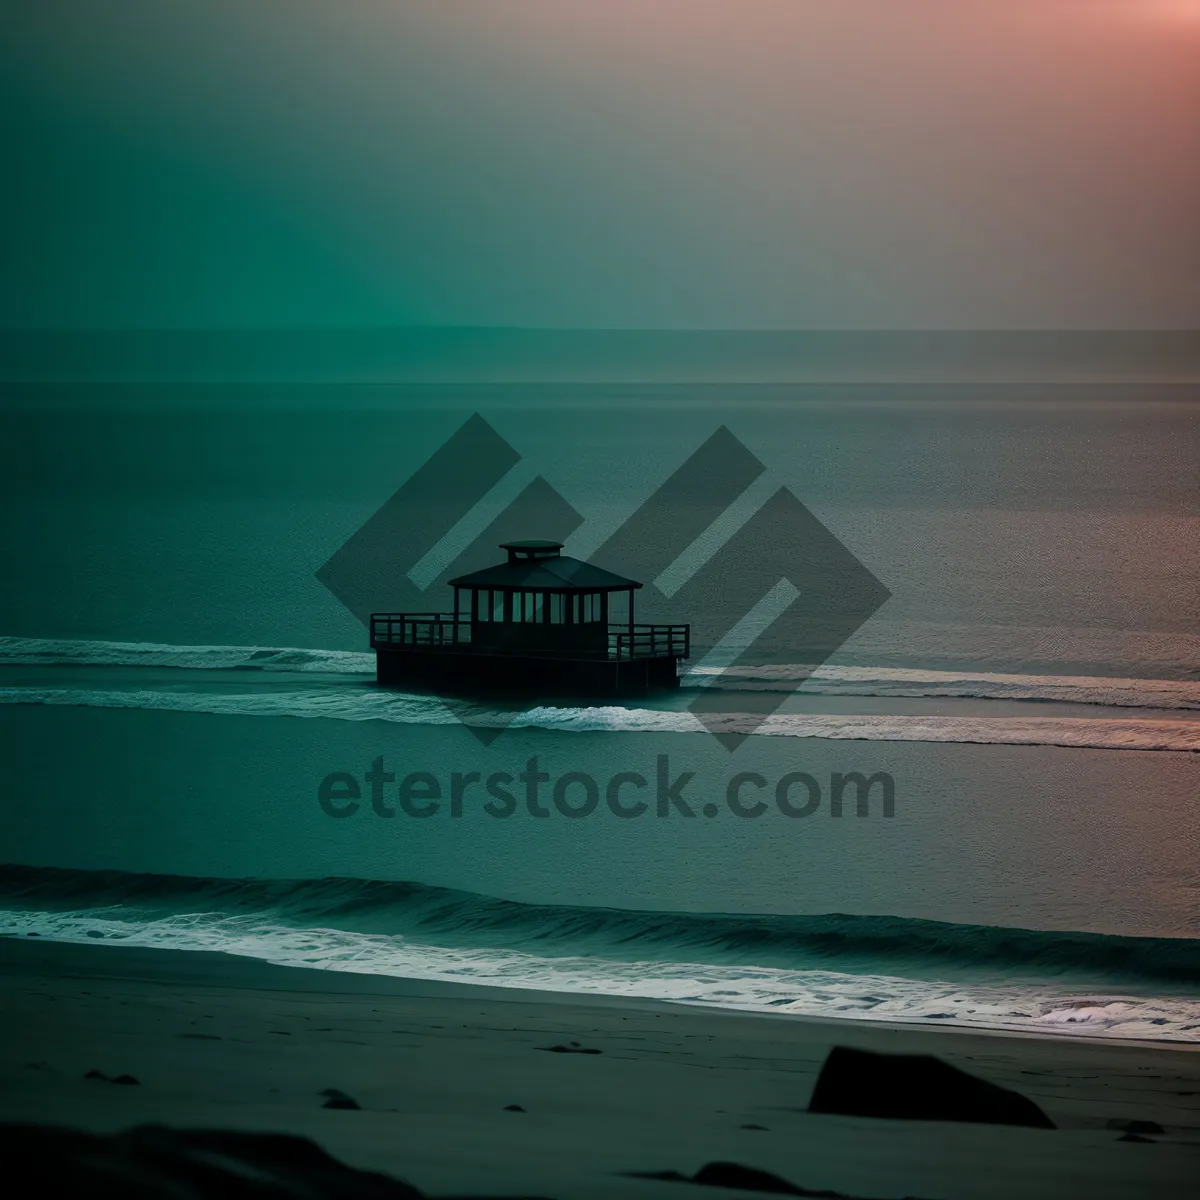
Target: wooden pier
x=539, y=624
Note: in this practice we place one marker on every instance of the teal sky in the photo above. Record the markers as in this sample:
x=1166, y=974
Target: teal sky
x=618, y=164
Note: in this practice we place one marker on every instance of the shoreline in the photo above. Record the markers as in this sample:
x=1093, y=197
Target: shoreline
x=214, y=1039
x=217, y=968
x=152, y=964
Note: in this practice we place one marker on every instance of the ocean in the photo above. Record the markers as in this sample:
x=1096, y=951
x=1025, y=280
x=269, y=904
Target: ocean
x=178, y=689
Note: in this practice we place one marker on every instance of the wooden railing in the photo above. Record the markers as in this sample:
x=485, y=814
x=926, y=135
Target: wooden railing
x=442, y=631
x=649, y=641
x=419, y=629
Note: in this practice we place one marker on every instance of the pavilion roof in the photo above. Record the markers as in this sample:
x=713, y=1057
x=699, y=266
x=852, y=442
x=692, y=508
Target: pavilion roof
x=560, y=574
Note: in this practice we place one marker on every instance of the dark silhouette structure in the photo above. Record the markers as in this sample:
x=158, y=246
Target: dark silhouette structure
x=539, y=623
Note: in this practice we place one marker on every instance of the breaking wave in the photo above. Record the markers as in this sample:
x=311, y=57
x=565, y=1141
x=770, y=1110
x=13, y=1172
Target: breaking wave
x=835, y=965
x=329, y=684
x=69, y=652
x=787, y=677
x=1113, y=733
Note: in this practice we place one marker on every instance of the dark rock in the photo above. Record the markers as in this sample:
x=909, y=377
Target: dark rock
x=335, y=1098
x=1135, y=1137
x=1130, y=1126
x=513, y=1108
x=573, y=1048
x=152, y=1162
x=915, y=1087
x=762, y=1127
x=127, y=1080
x=200, y=1037
x=746, y=1179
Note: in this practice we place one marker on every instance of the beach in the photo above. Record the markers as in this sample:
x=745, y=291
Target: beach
x=222, y=1041
x=603, y=600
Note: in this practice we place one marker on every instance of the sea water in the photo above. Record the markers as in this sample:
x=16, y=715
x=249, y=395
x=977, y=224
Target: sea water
x=176, y=687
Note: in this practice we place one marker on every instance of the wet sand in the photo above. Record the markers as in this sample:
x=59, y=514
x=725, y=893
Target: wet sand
x=215, y=1040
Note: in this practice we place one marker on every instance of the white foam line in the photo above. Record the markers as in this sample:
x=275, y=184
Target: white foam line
x=922, y=674
x=1115, y=733
x=72, y=652
x=912, y=682
x=822, y=992
x=904, y=682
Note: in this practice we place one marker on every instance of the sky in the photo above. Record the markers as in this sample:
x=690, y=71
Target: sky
x=617, y=164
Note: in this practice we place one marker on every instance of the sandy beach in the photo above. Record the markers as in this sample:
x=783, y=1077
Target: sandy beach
x=214, y=1040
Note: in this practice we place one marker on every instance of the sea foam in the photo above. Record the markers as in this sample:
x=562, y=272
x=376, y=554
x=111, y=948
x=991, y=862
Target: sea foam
x=834, y=965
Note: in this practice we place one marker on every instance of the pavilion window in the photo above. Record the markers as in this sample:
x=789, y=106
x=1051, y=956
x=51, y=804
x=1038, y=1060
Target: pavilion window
x=489, y=605
x=558, y=608
x=527, y=607
x=587, y=608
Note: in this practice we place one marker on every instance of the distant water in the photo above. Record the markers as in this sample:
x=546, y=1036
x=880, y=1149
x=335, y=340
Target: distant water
x=1041, y=543
x=867, y=968
x=1031, y=530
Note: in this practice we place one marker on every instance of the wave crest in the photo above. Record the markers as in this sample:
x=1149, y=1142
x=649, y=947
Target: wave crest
x=826, y=679
x=866, y=968
x=1108, y=733
x=469, y=920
